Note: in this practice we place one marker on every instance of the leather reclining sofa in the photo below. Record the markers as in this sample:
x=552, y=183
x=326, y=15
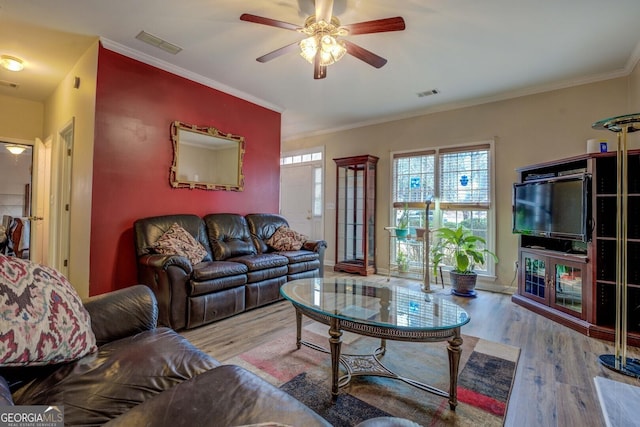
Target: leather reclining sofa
x=143, y=375
x=239, y=272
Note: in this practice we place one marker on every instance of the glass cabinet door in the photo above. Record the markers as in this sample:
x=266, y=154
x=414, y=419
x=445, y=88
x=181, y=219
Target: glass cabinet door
x=554, y=281
x=534, y=277
x=568, y=280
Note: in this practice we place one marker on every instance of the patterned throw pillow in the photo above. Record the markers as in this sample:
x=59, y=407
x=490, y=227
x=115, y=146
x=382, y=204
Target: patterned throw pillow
x=177, y=241
x=286, y=239
x=42, y=319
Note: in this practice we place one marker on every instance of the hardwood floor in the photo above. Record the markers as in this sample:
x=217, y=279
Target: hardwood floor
x=554, y=382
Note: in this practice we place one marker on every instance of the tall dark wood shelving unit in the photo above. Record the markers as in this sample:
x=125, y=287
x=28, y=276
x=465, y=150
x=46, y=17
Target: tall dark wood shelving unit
x=596, y=267
x=356, y=214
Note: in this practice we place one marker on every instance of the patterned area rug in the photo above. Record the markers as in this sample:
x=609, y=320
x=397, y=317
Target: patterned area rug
x=486, y=374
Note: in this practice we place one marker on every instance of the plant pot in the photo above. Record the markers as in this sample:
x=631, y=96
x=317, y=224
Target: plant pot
x=401, y=233
x=403, y=268
x=420, y=233
x=463, y=284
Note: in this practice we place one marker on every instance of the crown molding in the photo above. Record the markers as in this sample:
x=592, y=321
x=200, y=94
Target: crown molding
x=181, y=72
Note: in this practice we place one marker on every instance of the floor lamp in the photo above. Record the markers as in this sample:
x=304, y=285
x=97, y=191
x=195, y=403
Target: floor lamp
x=622, y=126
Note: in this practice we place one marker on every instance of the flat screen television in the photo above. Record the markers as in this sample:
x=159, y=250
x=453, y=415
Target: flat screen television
x=554, y=207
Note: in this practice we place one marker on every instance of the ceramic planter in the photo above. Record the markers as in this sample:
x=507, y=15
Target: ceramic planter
x=463, y=284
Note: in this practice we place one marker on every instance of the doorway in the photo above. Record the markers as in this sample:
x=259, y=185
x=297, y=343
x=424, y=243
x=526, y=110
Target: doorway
x=15, y=197
x=35, y=194
x=302, y=191
x=60, y=224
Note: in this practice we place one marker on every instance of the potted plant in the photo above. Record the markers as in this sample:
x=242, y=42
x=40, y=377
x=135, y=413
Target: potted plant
x=403, y=262
x=402, y=227
x=465, y=250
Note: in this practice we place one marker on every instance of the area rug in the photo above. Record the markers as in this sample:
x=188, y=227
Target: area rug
x=486, y=374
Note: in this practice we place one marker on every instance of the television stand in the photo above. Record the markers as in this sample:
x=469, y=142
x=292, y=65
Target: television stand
x=573, y=283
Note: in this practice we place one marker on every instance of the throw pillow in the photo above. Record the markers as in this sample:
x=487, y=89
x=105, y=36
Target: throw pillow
x=178, y=241
x=286, y=239
x=42, y=320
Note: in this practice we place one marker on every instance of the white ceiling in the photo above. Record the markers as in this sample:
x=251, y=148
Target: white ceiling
x=471, y=51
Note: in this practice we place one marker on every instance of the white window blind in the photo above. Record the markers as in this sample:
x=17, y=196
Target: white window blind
x=465, y=178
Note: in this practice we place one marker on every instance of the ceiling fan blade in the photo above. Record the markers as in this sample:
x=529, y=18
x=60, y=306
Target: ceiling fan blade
x=364, y=55
x=324, y=10
x=268, y=21
x=377, y=26
x=319, y=71
x=279, y=52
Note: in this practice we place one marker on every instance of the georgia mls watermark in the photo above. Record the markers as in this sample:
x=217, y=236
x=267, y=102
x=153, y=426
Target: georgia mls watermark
x=32, y=416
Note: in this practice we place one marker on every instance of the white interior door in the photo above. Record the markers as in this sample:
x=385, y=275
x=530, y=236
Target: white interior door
x=300, y=193
x=41, y=195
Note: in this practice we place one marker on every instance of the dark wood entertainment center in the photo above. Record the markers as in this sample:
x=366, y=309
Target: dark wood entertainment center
x=573, y=283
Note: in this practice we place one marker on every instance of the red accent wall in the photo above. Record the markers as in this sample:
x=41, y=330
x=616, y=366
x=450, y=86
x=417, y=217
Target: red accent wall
x=135, y=106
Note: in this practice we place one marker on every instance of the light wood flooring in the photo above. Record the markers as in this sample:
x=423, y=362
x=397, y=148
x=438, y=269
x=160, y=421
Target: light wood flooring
x=554, y=383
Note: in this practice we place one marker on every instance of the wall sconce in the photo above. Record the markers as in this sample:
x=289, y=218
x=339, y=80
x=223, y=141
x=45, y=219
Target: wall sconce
x=11, y=63
x=16, y=149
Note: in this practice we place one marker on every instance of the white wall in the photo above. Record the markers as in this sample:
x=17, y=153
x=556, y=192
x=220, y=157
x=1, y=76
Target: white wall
x=20, y=118
x=527, y=130
x=67, y=103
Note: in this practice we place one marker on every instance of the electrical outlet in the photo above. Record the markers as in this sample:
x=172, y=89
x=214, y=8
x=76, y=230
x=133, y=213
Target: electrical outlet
x=515, y=265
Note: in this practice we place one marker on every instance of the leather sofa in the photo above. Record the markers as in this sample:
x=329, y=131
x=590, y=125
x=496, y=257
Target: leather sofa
x=142, y=375
x=239, y=272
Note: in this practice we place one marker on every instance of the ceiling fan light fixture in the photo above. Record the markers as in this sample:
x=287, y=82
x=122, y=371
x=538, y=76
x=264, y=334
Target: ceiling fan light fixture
x=331, y=49
x=322, y=45
x=308, y=48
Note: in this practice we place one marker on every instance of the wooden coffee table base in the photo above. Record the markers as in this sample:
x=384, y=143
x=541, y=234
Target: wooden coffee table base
x=358, y=365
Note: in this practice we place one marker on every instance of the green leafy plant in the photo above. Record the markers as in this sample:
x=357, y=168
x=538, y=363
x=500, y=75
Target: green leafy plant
x=403, y=221
x=403, y=261
x=465, y=249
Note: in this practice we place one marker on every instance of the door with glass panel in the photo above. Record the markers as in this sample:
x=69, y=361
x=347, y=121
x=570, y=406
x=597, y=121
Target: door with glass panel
x=534, y=282
x=567, y=293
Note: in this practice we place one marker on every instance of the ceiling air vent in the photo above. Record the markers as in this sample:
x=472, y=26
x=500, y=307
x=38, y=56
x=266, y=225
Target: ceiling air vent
x=428, y=93
x=4, y=83
x=158, y=42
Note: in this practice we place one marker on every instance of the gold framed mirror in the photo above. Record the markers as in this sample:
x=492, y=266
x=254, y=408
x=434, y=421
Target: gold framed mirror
x=206, y=158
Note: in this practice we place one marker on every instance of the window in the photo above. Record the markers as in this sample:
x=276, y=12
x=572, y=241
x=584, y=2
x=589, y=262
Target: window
x=317, y=192
x=458, y=180
x=301, y=158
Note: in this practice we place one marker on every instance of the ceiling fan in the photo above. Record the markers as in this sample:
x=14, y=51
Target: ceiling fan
x=323, y=45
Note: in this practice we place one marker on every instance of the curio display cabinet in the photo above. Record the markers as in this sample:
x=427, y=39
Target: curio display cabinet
x=356, y=214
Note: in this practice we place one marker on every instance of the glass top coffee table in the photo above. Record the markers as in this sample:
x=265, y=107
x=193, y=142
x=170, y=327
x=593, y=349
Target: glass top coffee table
x=384, y=311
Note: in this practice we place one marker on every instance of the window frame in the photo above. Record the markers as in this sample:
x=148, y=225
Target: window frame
x=438, y=208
